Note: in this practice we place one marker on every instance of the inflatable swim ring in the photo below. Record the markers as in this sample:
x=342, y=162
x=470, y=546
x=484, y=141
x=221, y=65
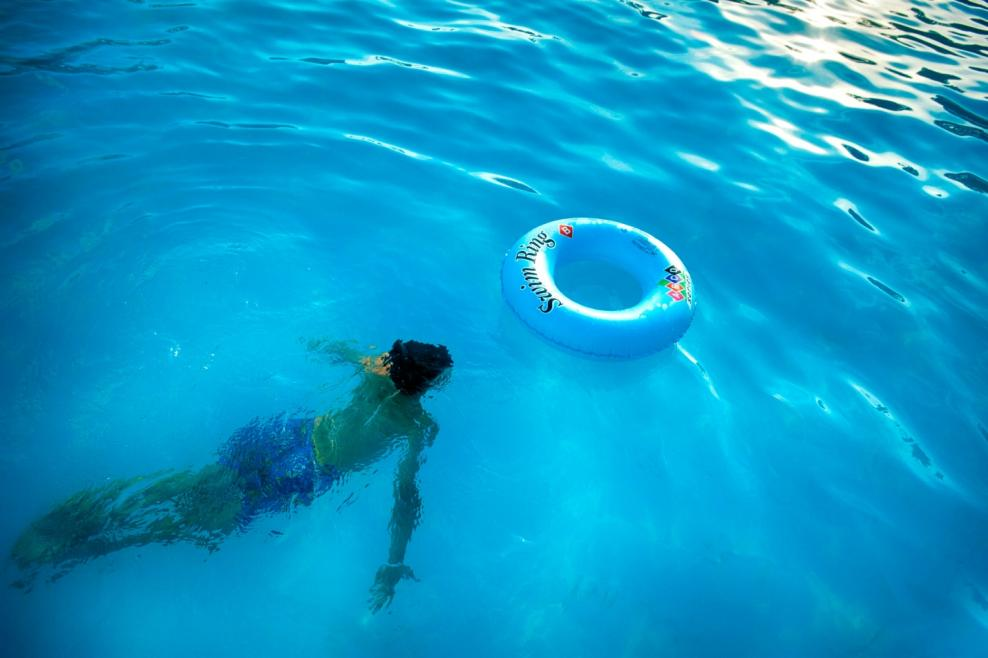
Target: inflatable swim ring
x=659, y=319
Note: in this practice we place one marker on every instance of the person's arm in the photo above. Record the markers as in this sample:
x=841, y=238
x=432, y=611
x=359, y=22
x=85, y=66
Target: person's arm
x=339, y=352
x=345, y=352
x=404, y=518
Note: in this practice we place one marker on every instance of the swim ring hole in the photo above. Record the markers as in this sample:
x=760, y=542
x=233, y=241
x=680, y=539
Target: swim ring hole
x=598, y=284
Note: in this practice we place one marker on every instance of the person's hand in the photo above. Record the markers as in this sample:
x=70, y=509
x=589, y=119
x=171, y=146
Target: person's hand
x=383, y=589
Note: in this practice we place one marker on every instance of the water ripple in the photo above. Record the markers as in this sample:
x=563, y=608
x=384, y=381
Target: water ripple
x=915, y=450
x=488, y=26
x=504, y=181
x=851, y=210
x=970, y=181
x=376, y=60
x=253, y=126
x=644, y=10
x=390, y=147
x=58, y=61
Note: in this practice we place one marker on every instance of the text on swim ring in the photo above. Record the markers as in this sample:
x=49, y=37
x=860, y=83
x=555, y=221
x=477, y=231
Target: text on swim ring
x=528, y=253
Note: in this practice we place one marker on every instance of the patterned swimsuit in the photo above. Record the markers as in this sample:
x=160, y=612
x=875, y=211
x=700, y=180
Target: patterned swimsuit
x=275, y=465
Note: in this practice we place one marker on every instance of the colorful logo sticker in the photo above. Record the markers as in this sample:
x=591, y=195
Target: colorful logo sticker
x=677, y=284
x=566, y=230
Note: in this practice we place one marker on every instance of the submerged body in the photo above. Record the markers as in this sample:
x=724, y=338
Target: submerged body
x=265, y=467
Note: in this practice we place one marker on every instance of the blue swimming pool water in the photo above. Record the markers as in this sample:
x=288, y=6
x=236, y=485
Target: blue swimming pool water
x=192, y=190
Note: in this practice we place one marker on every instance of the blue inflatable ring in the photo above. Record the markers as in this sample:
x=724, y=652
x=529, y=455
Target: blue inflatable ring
x=654, y=323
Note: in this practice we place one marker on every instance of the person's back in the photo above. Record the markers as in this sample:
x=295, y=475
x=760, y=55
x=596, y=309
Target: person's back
x=265, y=467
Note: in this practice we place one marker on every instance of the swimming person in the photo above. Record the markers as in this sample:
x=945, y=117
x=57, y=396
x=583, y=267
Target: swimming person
x=265, y=467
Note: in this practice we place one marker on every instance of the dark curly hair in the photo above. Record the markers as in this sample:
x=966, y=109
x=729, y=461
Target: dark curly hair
x=414, y=366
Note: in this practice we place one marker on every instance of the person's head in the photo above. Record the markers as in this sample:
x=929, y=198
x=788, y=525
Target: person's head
x=415, y=366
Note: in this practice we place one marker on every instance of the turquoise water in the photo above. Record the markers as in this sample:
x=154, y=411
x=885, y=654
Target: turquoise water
x=191, y=191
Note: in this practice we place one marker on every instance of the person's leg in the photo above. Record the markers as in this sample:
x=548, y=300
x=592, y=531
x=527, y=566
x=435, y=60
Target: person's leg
x=201, y=507
x=265, y=467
